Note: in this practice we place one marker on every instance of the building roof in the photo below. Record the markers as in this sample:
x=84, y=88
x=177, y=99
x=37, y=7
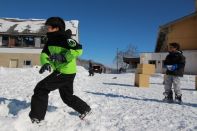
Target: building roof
x=162, y=31
x=30, y=26
x=131, y=60
x=179, y=20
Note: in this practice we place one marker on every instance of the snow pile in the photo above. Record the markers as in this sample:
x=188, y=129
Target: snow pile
x=116, y=104
x=81, y=78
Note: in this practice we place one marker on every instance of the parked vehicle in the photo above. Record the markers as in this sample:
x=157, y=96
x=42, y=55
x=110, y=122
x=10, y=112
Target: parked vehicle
x=97, y=69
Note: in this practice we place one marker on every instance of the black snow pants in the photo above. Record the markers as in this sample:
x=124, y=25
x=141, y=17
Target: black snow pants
x=63, y=82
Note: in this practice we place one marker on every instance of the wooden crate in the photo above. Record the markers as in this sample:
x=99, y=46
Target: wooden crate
x=147, y=66
x=142, y=80
x=147, y=71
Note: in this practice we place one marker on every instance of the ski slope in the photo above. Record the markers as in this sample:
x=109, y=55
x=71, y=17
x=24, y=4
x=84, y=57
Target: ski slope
x=117, y=105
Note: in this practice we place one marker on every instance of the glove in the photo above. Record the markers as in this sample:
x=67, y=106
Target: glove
x=172, y=67
x=45, y=67
x=57, y=58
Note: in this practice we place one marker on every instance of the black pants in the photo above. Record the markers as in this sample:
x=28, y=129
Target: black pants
x=64, y=83
x=91, y=72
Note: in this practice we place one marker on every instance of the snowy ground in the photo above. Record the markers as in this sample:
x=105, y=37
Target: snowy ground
x=116, y=104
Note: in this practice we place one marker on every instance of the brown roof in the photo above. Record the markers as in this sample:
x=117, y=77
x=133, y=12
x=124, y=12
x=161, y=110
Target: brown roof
x=131, y=60
x=179, y=19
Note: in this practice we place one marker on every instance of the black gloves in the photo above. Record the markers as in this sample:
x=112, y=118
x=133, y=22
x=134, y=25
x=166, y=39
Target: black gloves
x=54, y=58
x=45, y=67
x=57, y=58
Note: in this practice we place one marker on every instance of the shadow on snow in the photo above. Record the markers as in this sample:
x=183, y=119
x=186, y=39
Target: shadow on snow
x=15, y=105
x=73, y=113
x=188, y=89
x=156, y=83
x=118, y=84
x=133, y=98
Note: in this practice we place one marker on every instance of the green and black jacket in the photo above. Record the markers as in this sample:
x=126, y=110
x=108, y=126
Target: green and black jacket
x=58, y=43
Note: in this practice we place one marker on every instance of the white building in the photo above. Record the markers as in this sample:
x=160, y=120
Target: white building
x=21, y=40
x=158, y=58
x=182, y=31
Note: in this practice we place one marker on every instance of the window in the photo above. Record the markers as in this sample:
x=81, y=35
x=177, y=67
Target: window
x=27, y=63
x=5, y=40
x=18, y=41
x=28, y=41
x=43, y=41
x=152, y=62
x=163, y=66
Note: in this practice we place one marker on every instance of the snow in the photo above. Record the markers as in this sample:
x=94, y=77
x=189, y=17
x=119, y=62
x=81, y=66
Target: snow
x=33, y=25
x=20, y=50
x=117, y=105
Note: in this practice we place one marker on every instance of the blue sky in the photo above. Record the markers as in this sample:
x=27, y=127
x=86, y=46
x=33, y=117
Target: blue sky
x=106, y=25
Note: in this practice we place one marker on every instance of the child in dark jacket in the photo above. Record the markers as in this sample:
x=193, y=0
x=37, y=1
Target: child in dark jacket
x=175, y=63
x=59, y=53
x=91, y=70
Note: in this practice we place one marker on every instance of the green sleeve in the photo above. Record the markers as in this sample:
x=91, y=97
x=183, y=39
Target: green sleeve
x=72, y=54
x=44, y=58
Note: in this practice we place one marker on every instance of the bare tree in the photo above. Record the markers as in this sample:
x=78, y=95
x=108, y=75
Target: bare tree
x=130, y=51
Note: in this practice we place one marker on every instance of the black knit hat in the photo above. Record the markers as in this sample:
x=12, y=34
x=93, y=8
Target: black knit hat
x=175, y=45
x=56, y=22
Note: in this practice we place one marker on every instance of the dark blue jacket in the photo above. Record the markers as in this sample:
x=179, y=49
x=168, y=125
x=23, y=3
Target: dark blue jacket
x=175, y=58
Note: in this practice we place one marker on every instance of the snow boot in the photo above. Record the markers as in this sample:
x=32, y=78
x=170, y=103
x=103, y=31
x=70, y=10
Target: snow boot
x=83, y=115
x=178, y=99
x=168, y=97
x=35, y=120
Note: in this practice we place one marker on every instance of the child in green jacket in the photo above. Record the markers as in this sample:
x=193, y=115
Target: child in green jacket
x=59, y=53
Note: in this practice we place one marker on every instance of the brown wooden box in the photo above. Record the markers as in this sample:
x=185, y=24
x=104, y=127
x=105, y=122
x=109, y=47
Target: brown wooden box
x=147, y=66
x=147, y=71
x=141, y=80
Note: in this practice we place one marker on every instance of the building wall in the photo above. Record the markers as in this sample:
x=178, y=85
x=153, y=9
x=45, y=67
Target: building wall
x=15, y=57
x=191, y=61
x=10, y=59
x=185, y=33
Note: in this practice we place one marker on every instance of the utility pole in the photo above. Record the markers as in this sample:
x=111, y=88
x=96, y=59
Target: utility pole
x=117, y=59
x=195, y=5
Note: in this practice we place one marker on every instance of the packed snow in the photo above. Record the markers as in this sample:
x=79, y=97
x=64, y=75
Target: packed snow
x=117, y=105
